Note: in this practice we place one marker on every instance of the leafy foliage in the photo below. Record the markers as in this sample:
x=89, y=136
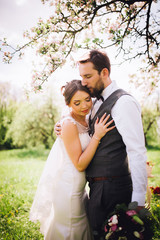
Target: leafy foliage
x=146, y=81
x=150, y=118
x=131, y=26
x=8, y=106
x=33, y=124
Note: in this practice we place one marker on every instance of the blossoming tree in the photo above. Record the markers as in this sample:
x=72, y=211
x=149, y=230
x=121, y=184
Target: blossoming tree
x=131, y=26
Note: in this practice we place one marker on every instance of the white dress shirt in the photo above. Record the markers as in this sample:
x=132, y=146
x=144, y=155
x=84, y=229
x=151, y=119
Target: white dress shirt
x=126, y=114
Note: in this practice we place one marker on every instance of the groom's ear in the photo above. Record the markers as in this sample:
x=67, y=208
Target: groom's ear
x=105, y=73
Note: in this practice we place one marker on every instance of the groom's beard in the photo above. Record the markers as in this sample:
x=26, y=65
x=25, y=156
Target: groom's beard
x=98, y=89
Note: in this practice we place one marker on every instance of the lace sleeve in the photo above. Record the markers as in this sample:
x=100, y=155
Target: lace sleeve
x=80, y=127
x=67, y=118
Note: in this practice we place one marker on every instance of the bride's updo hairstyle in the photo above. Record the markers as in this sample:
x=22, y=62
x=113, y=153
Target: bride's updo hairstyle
x=71, y=88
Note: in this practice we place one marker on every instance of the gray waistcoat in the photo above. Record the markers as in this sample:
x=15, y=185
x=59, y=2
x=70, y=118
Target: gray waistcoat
x=110, y=158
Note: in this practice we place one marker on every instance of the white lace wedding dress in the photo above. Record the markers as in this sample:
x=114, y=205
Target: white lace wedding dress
x=59, y=202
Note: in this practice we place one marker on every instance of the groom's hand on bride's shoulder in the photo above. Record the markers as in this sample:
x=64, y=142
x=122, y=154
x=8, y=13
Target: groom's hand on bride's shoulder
x=57, y=129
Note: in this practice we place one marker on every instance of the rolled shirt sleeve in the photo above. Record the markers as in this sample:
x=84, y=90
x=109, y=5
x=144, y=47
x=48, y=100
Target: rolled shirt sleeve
x=126, y=114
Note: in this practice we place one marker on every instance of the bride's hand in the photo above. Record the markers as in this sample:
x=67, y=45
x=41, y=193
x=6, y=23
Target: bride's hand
x=102, y=126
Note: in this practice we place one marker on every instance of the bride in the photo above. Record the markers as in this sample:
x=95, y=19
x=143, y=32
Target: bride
x=59, y=203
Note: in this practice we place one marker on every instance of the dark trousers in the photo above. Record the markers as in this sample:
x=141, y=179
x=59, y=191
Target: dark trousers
x=103, y=197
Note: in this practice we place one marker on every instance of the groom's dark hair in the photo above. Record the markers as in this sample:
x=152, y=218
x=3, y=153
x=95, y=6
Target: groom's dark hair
x=99, y=59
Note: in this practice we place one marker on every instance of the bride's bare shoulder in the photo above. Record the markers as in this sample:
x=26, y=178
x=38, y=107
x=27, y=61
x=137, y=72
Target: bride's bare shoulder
x=69, y=127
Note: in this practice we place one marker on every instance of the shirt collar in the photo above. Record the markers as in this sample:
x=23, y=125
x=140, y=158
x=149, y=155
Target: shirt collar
x=109, y=90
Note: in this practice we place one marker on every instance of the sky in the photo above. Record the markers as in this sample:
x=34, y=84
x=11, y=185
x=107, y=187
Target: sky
x=16, y=16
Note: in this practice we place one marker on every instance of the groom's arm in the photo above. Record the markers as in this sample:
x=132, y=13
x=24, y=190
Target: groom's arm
x=127, y=117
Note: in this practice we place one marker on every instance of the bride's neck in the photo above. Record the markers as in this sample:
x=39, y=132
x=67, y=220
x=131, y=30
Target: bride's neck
x=79, y=118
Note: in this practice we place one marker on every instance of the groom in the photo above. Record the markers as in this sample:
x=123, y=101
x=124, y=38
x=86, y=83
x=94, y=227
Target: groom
x=117, y=173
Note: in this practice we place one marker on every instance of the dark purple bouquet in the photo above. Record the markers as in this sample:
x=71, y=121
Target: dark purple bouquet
x=125, y=223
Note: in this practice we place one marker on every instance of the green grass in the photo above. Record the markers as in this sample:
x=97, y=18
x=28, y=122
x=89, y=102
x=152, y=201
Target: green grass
x=19, y=175
x=153, y=154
